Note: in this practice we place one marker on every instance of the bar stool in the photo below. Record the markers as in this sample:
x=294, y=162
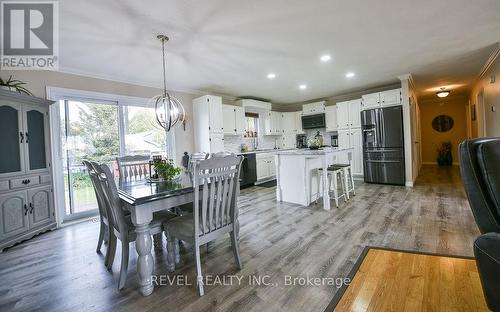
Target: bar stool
x=332, y=175
x=348, y=177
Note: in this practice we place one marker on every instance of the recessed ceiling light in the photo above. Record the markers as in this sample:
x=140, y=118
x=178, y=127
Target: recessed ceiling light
x=349, y=75
x=303, y=87
x=271, y=76
x=325, y=58
x=443, y=93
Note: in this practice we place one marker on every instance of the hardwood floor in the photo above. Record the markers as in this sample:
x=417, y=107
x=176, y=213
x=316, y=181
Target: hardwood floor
x=401, y=281
x=60, y=270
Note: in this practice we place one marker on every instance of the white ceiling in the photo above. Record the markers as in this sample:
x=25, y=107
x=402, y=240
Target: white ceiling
x=229, y=46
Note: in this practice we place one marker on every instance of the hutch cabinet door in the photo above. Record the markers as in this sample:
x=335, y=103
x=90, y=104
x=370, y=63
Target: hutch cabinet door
x=13, y=215
x=40, y=206
x=12, y=142
x=36, y=138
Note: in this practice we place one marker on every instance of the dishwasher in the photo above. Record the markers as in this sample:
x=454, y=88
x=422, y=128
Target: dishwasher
x=248, y=173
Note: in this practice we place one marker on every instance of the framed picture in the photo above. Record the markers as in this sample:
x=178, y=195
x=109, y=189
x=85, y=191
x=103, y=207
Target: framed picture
x=473, y=112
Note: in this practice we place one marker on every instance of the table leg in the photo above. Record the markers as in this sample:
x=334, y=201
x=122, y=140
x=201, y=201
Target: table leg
x=326, y=188
x=145, y=263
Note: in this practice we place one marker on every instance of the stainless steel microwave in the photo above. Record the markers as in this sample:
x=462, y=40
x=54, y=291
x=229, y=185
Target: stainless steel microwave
x=313, y=121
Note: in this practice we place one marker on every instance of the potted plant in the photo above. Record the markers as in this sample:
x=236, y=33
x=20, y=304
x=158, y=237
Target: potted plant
x=14, y=85
x=167, y=170
x=445, y=157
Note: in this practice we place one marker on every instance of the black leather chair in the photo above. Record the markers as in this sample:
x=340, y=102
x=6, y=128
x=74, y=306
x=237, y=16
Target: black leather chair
x=480, y=169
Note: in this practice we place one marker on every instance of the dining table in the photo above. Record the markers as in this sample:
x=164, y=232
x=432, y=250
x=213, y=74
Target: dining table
x=142, y=199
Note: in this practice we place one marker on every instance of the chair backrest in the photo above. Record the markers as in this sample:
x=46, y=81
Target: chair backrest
x=196, y=157
x=133, y=168
x=110, y=191
x=101, y=202
x=480, y=170
x=216, y=188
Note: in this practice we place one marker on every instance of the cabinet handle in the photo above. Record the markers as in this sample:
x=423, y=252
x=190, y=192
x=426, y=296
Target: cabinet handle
x=22, y=136
x=31, y=208
x=25, y=210
x=27, y=137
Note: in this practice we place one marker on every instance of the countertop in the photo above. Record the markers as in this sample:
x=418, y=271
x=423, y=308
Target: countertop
x=270, y=150
x=306, y=151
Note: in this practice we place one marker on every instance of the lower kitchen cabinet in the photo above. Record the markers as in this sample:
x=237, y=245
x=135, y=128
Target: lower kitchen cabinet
x=266, y=168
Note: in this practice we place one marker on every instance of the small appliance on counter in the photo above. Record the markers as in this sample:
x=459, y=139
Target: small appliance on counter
x=301, y=141
x=334, y=140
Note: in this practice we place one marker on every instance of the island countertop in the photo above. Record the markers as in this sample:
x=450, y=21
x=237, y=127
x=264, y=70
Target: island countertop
x=319, y=152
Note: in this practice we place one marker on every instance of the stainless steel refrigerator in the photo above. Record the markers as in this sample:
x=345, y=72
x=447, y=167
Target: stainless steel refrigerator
x=383, y=145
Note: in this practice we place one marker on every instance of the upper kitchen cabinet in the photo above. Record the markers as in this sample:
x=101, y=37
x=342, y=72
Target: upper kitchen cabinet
x=343, y=121
x=331, y=118
x=241, y=124
x=313, y=108
x=208, y=124
x=371, y=100
x=288, y=123
x=384, y=98
x=349, y=114
x=273, y=124
x=355, y=113
x=390, y=97
x=298, y=122
x=233, y=120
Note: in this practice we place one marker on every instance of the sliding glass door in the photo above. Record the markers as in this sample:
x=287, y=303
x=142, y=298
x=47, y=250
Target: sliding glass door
x=101, y=130
x=89, y=131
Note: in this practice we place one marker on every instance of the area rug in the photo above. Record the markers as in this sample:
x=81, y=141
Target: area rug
x=399, y=280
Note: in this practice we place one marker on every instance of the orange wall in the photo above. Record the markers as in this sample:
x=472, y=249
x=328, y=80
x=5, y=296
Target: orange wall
x=432, y=139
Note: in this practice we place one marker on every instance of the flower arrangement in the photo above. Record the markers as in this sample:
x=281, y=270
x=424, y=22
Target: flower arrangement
x=167, y=170
x=445, y=157
x=314, y=142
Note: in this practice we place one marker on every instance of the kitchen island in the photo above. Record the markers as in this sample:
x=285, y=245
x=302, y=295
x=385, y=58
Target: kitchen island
x=296, y=174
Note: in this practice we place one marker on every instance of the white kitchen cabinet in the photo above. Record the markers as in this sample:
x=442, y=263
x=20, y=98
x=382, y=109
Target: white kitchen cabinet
x=288, y=123
x=371, y=100
x=233, y=120
x=216, y=142
x=344, y=138
x=241, y=124
x=229, y=120
x=390, y=97
x=266, y=168
x=289, y=140
x=298, y=122
x=353, y=138
x=208, y=124
x=331, y=118
x=273, y=123
x=356, y=142
x=343, y=115
x=384, y=98
x=355, y=113
x=313, y=108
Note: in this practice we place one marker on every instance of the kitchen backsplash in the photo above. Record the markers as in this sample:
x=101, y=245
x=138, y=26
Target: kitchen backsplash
x=232, y=143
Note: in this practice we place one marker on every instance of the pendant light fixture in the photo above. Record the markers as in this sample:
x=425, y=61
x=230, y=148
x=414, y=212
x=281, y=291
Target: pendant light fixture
x=443, y=93
x=169, y=111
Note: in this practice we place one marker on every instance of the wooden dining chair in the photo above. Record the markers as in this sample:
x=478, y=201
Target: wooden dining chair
x=103, y=215
x=121, y=225
x=196, y=157
x=215, y=210
x=133, y=167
